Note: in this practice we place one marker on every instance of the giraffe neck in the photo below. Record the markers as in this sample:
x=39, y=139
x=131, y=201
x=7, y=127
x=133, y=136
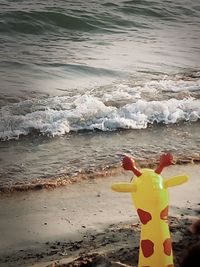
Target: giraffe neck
x=155, y=241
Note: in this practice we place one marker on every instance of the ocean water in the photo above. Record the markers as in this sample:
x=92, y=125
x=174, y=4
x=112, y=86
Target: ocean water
x=84, y=82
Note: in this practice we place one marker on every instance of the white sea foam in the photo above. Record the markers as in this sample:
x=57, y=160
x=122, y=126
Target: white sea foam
x=135, y=90
x=122, y=92
x=60, y=115
x=172, y=85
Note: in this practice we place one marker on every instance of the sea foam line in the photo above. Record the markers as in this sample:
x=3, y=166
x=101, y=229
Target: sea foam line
x=86, y=112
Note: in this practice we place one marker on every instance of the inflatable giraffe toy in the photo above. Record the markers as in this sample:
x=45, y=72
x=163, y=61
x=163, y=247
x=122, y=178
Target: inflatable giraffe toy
x=150, y=197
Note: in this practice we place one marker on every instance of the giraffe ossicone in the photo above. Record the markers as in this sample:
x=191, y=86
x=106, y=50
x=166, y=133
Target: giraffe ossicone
x=150, y=197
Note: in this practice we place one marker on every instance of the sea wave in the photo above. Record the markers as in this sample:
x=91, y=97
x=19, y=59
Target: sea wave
x=27, y=18
x=64, y=114
x=38, y=22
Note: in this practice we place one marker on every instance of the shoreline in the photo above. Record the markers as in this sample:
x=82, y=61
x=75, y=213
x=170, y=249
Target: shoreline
x=65, y=180
x=35, y=163
x=40, y=228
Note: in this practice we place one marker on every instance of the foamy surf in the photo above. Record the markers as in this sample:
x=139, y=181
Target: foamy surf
x=61, y=115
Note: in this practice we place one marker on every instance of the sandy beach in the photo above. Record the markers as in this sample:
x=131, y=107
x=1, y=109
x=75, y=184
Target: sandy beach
x=87, y=224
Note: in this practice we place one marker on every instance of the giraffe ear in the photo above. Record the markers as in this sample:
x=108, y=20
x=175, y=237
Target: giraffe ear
x=124, y=187
x=176, y=180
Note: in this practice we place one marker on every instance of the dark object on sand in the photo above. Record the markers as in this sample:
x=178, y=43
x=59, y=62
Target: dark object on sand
x=192, y=257
x=195, y=228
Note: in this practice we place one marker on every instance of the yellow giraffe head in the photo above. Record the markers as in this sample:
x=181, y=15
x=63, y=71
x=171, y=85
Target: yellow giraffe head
x=148, y=189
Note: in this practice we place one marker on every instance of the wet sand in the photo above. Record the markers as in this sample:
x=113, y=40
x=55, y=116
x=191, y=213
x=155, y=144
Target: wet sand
x=38, y=161
x=87, y=224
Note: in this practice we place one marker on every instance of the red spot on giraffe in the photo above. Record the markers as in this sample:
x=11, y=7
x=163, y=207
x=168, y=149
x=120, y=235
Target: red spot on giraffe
x=164, y=214
x=167, y=246
x=170, y=265
x=144, y=216
x=147, y=247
